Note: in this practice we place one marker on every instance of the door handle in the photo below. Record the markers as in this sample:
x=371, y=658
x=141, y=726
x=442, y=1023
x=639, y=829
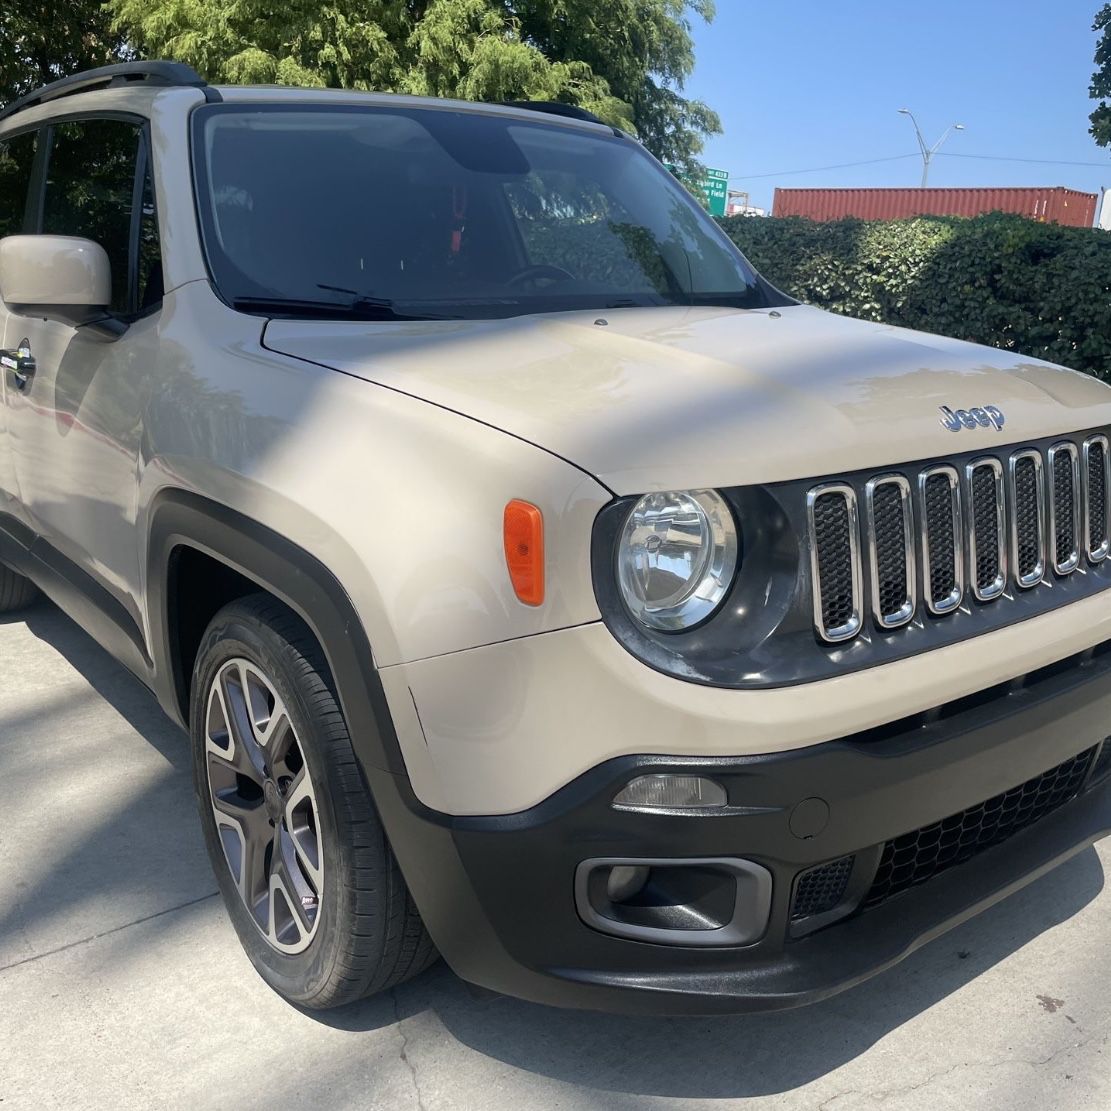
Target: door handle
x=20, y=362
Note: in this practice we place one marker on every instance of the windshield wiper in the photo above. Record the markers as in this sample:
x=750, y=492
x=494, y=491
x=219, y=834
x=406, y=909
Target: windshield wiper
x=357, y=308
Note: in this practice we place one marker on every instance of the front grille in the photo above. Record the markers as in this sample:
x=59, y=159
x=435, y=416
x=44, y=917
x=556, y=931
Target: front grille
x=916, y=857
x=820, y=890
x=955, y=537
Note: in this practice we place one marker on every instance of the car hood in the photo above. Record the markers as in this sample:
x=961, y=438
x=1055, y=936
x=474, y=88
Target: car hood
x=668, y=398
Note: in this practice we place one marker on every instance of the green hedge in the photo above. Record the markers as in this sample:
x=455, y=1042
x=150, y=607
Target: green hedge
x=1002, y=280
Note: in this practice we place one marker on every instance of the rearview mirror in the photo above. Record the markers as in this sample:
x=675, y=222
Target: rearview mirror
x=59, y=277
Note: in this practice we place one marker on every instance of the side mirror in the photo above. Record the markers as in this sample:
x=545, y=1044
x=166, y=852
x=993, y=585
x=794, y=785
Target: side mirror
x=59, y=277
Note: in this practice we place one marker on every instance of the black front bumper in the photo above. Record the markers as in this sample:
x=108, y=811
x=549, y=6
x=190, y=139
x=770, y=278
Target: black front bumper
x=497, y=893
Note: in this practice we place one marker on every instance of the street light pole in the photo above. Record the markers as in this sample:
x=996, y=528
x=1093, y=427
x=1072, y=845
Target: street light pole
x=927, y=151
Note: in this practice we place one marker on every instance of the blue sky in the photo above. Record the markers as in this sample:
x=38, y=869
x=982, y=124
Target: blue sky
x=811, y=84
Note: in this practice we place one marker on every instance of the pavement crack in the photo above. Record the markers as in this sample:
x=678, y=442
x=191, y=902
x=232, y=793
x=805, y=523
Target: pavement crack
x=884, y=1094
x=404, y=1052
x=108, y=933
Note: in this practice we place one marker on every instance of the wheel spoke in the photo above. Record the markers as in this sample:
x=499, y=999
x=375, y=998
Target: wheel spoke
x=293, y=904
x=247, y=756
x=245, y=851
x=273, y=734
x=302, y=824
x=250, y=813
x=280, y=743
x=253, y=884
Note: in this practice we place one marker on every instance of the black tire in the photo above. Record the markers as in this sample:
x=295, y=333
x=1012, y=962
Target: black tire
x=369, y=935
x=15, y=591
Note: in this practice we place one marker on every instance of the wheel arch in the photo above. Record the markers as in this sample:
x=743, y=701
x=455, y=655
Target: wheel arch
x=249, y=556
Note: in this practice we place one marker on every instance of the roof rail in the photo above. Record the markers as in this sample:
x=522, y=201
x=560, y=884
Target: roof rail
x=554, y=108
x=126, y=73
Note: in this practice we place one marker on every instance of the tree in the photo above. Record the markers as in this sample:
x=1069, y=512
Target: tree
x=42, y=40
x=624, y=60
x=1101, y=80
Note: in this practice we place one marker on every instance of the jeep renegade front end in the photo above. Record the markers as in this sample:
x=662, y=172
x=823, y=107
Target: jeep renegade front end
x=538, y=585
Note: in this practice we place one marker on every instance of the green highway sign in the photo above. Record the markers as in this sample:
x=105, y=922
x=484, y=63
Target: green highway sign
x=716, y=185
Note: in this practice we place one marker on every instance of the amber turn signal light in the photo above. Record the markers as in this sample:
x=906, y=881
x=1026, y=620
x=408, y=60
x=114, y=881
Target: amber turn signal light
x=523, y=533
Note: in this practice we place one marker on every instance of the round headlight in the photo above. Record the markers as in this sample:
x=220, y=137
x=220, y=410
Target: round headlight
x=676, y=558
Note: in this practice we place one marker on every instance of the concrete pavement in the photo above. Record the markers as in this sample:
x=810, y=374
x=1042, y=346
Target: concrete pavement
x=122, y=984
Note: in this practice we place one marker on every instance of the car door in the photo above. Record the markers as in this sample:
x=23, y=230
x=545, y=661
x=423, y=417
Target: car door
x=75, y=430
x=17, y=160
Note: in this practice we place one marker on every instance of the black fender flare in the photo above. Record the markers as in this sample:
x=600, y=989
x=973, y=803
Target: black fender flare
x=179, y=519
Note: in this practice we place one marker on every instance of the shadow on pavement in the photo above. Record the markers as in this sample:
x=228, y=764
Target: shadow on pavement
x=635, y=1057
x=98, y=782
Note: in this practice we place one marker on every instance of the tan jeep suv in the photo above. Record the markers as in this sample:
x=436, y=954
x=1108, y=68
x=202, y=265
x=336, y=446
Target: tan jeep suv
x=537, y=584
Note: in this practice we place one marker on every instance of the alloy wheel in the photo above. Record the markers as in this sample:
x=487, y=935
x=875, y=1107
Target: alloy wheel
x=265, y=806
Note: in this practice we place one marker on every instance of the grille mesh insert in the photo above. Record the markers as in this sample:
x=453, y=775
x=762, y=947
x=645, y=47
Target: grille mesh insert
x=1027, y=527
x=832, y=536
x=1097, y=497
x=1064, y=536
x=939, y=537
x=917, y=856
x=890, y=551
x=986, y=527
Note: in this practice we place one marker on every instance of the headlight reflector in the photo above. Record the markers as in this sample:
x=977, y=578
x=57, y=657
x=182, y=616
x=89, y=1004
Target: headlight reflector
x=676, y=558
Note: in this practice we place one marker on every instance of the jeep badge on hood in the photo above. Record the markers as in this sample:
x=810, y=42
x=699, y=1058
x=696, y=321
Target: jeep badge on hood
x=979, y=417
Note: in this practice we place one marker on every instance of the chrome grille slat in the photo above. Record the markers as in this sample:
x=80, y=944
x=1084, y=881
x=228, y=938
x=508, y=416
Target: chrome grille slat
x=1096, y=475
x=939, y=494
x=1064, y=507
x=890, y=529
x=987, y=528
x=835, y=564
x=1027, y=498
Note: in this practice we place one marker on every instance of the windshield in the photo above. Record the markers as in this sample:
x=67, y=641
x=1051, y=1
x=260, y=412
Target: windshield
x=398, y=212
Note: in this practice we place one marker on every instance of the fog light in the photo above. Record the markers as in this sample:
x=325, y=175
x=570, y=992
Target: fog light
x=670, y=792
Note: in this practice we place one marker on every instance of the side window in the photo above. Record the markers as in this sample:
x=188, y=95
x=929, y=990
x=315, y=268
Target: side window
x=17, y=155
x=90, y=186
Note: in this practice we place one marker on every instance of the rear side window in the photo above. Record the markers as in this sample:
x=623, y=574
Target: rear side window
x=90, y=190
x=17, y=156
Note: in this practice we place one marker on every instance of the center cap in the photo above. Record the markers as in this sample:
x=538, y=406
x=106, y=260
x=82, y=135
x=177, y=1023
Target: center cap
x=272, y=799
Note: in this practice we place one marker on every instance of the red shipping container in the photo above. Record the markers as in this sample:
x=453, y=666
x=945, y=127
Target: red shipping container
x=1054, y=204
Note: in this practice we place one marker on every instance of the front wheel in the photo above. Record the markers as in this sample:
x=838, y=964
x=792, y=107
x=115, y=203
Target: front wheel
x=306, y=872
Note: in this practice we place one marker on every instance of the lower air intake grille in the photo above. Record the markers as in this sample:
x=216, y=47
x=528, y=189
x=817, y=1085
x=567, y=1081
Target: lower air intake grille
x=1103, y=761
x=918, y=856
x=821, y=889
